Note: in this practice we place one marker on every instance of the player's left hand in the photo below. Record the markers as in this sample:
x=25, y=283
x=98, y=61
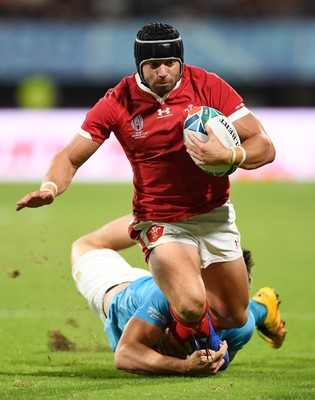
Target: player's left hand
x=35, y=199
x=199, y=363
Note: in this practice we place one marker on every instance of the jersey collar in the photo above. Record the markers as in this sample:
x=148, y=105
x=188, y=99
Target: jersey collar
x=148, y=90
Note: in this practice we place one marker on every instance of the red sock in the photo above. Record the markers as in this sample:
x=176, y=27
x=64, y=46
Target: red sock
x=180, y=332
x=182, y=329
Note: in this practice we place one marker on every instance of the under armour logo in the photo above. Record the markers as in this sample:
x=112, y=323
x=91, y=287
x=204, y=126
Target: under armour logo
x=163, y=113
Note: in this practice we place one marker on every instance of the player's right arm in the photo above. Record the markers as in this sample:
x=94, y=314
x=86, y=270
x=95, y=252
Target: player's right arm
x=135, y=353
x=62, y=169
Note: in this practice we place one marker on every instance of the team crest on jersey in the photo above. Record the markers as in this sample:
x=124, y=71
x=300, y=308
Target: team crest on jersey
x=137, y=123
x=154, y=233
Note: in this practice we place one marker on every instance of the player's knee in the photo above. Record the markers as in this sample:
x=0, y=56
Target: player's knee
x=191, y=308
x=77, y=249
x=241, y=319
x=75, y=245
x=236, y=319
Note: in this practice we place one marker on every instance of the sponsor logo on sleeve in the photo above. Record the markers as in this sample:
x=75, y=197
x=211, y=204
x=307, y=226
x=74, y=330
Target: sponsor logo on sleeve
x=156, y=315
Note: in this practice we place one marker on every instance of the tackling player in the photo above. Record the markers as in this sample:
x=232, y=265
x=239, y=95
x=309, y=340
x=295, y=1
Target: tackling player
x=136, y=315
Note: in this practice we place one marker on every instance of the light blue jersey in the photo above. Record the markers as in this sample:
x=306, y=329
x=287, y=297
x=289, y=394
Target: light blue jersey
x=143, y=299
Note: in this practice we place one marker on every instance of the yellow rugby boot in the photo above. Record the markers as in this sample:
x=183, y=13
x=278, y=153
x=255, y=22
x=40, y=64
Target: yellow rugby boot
x=272, y=330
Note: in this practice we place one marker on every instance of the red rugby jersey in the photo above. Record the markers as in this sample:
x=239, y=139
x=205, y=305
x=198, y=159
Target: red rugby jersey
x=168, y=186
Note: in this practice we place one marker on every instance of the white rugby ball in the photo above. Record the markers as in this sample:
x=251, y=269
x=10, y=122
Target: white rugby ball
x=221, y=126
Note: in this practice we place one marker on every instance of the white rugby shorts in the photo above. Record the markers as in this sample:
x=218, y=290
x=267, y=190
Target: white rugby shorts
x=99, y=270
x=214, y=233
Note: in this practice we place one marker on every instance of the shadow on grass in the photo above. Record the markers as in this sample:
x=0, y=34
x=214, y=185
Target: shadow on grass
x=90, y=373
x=82, y=372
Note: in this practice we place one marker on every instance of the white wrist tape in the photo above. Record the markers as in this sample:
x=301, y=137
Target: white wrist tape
x=48, y=190
x=243, y=158
x=233, y=158
x=49, y=183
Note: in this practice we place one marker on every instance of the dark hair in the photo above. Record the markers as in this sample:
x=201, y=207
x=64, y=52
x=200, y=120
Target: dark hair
x=249, y=262
x=157, y=41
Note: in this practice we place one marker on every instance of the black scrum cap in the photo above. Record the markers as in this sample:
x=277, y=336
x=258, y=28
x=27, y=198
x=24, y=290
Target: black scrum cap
x=157, y=41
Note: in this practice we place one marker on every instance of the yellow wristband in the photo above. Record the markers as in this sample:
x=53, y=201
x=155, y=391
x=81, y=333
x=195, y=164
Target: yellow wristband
x=49, y=183
x=233, y=158
x=243, y=158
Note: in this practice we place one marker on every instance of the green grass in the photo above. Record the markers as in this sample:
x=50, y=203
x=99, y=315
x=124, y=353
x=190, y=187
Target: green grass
x=276, y=221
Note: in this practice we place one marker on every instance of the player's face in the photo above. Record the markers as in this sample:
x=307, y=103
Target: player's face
x=161, y=75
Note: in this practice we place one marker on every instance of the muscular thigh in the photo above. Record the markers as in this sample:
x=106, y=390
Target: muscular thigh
x=175, y=267
x=227, y=290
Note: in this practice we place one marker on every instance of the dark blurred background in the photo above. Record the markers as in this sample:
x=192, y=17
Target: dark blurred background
x=67, y=53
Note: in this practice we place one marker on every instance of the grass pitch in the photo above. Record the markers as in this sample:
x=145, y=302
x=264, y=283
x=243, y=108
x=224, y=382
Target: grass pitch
x=52, y=346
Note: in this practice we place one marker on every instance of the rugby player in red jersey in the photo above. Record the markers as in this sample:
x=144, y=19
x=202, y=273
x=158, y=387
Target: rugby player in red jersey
x=182, y=216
